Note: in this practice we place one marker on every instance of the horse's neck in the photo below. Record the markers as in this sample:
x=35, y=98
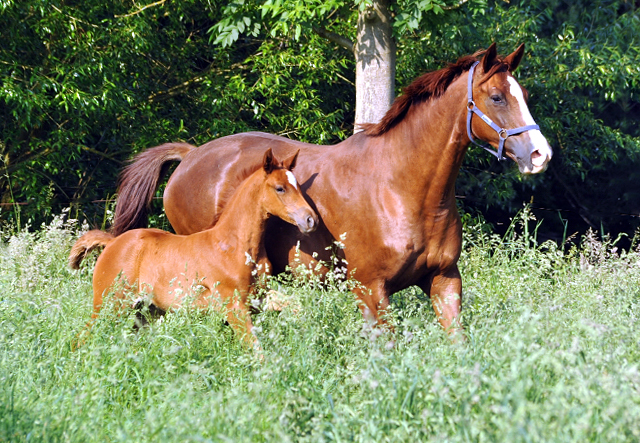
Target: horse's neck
x=244, y=218
x=430, y=143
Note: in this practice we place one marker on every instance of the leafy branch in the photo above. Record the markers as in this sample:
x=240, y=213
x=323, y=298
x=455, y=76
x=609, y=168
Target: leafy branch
x=158, y=3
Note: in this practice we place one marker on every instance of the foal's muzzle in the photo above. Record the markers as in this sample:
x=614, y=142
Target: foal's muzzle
x=307, y=221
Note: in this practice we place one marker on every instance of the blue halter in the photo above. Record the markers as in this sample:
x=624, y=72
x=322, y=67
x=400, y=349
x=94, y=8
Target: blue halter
x=502, y=133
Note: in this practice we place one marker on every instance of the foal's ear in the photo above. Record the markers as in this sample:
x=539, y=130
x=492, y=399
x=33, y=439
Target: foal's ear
x=268, y=161
x=489, y=58
x=513, y=59
x=290, y=163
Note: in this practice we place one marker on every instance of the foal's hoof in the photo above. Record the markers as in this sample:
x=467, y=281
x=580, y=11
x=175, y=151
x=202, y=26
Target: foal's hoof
x=277, y=301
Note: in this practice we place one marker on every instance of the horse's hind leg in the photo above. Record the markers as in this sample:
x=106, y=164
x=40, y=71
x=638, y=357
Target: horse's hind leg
x=277, y=301
x=82, y=336
x=98, y=300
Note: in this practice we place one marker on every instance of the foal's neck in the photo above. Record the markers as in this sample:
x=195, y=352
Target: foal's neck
x=245, y=218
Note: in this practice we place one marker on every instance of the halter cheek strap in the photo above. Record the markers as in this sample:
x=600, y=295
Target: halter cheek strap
x=503, y=134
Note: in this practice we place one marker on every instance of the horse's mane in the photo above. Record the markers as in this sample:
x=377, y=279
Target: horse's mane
x=429, y=85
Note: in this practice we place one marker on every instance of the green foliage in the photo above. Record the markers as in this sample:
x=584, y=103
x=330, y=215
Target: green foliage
x=551, y=355
x=298, y=18
x=276, y=17
x=412, y=14
x=84, y=86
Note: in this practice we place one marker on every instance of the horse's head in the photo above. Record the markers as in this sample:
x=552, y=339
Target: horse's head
x=282, y=195
x=497, y=95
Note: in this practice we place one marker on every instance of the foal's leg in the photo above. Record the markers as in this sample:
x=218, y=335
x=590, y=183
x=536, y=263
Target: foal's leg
x=445, y=290
x=98, y=298
x=239, y=318
x=238, y=314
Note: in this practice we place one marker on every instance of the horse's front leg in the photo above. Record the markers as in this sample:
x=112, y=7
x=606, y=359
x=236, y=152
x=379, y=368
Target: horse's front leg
x=374, y=302
x=445, y=290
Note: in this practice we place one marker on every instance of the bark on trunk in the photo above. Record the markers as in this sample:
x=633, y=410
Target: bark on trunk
x=375, y=53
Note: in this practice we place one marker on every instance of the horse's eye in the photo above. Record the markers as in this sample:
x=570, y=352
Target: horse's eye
x=496, y=99
x=280, y=189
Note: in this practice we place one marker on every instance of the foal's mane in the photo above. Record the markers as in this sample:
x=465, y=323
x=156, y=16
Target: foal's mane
x=227, y=193
x=427, y=86
x=239, y=177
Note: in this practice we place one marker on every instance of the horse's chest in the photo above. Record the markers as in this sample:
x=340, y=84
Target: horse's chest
x=410, y=249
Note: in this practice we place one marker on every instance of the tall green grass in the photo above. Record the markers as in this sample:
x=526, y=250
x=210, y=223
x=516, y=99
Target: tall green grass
x=552, y=355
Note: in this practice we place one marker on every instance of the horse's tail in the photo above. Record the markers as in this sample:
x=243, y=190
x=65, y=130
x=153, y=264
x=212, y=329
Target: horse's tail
x=138, y=183
x=87, y=243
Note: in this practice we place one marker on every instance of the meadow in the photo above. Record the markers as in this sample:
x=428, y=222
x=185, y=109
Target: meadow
x=552, y=355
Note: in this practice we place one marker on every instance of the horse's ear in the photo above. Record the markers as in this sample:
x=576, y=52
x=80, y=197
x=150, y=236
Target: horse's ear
x=489, y=58
x=513, y=59
x=290, y=163
x=268, y=161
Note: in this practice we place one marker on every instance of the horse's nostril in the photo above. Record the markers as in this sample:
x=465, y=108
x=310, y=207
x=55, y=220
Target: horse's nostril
x=310, y=221
x=537, y=158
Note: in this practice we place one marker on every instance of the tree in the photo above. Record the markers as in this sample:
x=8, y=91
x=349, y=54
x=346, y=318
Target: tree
x=372, y=41
x=375, y=55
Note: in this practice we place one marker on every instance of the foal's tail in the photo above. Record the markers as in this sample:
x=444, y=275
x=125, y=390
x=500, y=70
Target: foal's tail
x=87, y=243
x=138, y=183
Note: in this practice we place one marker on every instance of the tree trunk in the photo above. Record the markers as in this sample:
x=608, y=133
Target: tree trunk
x=375, y=53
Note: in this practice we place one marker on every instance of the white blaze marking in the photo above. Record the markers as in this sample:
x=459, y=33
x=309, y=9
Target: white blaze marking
x=537, y=139
x=292, y=179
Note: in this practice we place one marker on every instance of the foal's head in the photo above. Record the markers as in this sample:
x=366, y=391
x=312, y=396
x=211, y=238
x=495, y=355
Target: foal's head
x=282, y=196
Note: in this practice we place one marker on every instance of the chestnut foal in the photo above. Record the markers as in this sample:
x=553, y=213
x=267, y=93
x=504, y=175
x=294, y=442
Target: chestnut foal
x=220, y=262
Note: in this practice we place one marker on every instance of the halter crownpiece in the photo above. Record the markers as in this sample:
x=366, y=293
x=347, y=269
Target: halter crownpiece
x=503, y=134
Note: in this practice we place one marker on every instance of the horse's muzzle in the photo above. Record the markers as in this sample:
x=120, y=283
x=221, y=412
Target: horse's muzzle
x=531, y=152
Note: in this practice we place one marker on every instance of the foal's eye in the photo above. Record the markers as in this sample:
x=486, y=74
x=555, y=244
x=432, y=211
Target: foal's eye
x=280, y=189
x=496, y=99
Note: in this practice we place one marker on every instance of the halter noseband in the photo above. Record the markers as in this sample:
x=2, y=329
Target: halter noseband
x=502, y=133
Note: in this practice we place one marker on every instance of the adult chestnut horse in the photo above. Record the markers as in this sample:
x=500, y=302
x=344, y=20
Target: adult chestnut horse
x=220, y=260
x=390, y=188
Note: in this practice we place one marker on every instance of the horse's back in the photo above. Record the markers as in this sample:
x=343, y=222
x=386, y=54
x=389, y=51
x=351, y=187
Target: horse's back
x=206, y=178
x=238, y=151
